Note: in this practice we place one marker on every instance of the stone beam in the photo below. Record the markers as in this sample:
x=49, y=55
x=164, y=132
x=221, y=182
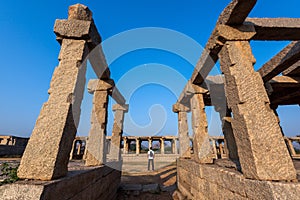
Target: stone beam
x=280, y=62
x=98, y=62
x=236, y=12
x=75, y=29
x=177, y=107
x=99, y=85
x=117, y=96
x=233, y=15
x=293, y=70
x=275, y=28
x=288, y=96
x=189, y=90
x=261, y=157
x=285, y=81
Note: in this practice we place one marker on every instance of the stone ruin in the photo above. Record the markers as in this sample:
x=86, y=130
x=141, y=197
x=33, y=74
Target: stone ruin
x=259, y=165
x=254, y=139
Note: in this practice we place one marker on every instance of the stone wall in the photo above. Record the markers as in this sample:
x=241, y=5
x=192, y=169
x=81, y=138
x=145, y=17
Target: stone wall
x=86, y=183
x=209, y=181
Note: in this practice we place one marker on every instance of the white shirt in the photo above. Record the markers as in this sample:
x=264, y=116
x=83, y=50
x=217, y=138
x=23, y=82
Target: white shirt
x=150, y=157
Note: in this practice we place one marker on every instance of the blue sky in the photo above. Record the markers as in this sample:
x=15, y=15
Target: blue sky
x=29, y=54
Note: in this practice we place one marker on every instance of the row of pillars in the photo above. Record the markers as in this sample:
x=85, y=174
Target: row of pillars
x=138, y=141
x=96, y=143
x=254, y=137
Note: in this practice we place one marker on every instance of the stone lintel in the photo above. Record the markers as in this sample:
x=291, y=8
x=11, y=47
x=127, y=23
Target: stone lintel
x=293, y=70
x=117, y=96
x=189, y=90
x=76, y=29
x=235, y=33
x=236, y=12
x=281, y=61
x=178, y=107
x=100, y=85
x=81, y=12
x=275, y=28
x=285, y=81
x=120, y=107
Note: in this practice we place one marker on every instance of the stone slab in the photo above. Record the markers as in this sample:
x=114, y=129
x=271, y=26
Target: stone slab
x=218, y=182
x=87, y=183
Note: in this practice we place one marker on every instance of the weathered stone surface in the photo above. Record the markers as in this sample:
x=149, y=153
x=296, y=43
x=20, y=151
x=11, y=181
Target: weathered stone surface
x=47, y=153
x=115, y=152
x=236, y=12
x=234, y=33
x=73, y=50
x=72, y=28
x=285, y=190
x=100, y=85
x=77, y=29
x=178, y=107
x=54, y=132
x=96, y=145
x=80, y=12
x=183, y=133
x=201, y=145
x=262, y=152
x=221, y=183
x=80, y=184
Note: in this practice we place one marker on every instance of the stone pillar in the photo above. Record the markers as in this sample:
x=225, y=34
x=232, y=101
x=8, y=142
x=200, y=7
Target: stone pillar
x=220, y=148
x=174, y=146
x=290, y=147
x=117, y=131
x=162, y=145
x=229, y=138
x=261, y=147
x=214, y=148
x=96, y=142
x=72, y=150
x=202, y=148
x=183, y=131
x=149, y=142
x=137, y=146
x=47, y=154
x=125, y=146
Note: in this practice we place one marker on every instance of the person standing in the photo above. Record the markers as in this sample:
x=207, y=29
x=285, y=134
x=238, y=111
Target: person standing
x=151, y=158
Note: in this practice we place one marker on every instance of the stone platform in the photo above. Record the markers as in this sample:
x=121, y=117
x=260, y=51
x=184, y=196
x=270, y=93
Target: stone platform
x=81, y=183
x=210, y=181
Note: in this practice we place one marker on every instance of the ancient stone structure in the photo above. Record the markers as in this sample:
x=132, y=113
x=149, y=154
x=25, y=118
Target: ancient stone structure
x=96, y=150
x=183, y=130
x=253, y=137
x=11, y=146
x=47, y=154
x=116, y=138
x=252, y=161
